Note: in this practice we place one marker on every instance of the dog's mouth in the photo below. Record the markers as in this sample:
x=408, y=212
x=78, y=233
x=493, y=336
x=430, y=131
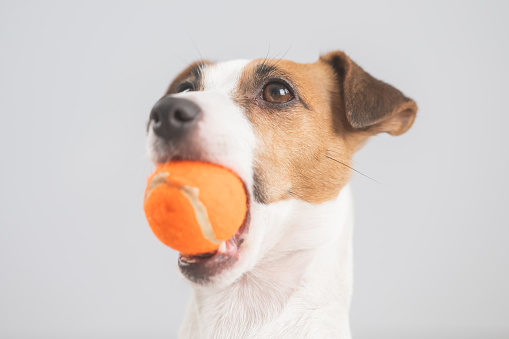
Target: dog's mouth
x=201, y=268
x=228, y=248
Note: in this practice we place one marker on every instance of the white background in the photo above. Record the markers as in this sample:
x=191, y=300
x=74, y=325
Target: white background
x=77, y=82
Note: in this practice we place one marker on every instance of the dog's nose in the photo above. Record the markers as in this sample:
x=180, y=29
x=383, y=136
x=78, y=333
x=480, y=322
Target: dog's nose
x=173, y=117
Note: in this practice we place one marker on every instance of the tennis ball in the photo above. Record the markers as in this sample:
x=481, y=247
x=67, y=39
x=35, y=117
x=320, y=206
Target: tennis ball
x=193, y=206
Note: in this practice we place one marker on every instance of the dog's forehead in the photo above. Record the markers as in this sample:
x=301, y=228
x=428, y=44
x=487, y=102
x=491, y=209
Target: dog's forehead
x=234, y=77
x=223, y=76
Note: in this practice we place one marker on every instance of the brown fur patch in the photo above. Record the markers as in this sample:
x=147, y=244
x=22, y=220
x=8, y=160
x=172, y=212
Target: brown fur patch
x=306, y=145
x=192, y=74
x=291, y=159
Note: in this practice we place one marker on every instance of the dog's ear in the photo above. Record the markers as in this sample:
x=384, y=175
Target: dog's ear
x=370, y=104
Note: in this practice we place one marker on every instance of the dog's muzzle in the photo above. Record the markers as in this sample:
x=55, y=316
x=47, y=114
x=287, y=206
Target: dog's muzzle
x=173, y=117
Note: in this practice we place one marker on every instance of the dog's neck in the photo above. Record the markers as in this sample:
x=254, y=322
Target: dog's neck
x=288, y=293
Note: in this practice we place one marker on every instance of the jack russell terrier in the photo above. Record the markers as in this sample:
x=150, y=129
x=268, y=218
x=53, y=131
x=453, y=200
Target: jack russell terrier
x=289, y=130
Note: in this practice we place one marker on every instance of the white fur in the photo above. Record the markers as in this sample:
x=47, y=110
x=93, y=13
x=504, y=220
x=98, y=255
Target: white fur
x=294, y=273
x=300, y=285
x=223, y=77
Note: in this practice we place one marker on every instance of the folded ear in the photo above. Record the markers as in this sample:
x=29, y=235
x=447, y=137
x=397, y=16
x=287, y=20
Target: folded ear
x=371, y=104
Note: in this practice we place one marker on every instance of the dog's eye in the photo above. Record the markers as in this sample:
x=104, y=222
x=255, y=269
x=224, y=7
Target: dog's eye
x=185, y=87
x=276, y=92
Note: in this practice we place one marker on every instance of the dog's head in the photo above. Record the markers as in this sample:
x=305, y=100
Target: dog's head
x=289, y=131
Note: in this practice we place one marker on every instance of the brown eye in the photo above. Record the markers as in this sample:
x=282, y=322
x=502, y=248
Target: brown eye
x=276, y=92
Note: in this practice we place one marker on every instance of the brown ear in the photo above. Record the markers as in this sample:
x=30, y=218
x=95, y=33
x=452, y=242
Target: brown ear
x=371, y=104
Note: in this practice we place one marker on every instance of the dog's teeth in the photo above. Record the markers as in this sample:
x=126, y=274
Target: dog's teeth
x=189, y=260
x=222, y=247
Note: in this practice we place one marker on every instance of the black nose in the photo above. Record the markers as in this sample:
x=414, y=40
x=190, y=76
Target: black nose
x=173, y=117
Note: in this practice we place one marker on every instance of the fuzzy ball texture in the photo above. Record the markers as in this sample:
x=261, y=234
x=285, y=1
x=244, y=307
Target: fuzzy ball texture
x=193, y=206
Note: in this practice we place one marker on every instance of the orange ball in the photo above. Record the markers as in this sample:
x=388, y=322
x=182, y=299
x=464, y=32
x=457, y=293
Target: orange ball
x=193, y=206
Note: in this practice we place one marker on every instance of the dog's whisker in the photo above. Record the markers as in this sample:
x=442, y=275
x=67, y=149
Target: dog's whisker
x=341, y=154
x=353, y=169
x=263, y=64
x=186, y=61
x=284, y=54
x=171, y=152
x=195, y=47
x=266, y=55
x=300, y=197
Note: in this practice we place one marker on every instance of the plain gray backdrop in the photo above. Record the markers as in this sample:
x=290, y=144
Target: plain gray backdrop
x=77, y=82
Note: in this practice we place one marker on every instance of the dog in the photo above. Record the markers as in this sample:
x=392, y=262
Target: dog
x=289, y=131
